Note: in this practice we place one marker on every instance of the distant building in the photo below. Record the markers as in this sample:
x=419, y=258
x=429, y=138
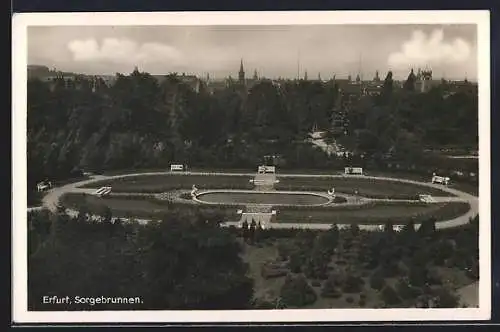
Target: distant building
x=192, y=81
x=424, y=81
x=241, y=73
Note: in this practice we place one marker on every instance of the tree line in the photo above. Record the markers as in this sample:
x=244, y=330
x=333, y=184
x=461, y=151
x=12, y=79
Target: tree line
x=141, y=122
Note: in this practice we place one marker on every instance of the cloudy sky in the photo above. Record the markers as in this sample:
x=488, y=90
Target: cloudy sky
x=450, y=50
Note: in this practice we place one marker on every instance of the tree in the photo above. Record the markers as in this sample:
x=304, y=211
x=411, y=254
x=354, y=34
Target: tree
x=296, y=292
x=173, y=264
x=353, y=284
x=244, y=229
x=407, y=292
x=446, y=299
x=388, y=84
x=355, y=229
x=390, y=296
x=410, y=82
x=329, y=289
x=428, y=227
x=377, y=280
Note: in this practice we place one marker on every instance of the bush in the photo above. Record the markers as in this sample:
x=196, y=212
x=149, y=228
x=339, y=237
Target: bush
x=349, y=299
x=329, y=289
x=268, y=272
x=353, y=284
x=377, y=280
x=446, y=299
x=390, y=296
x=362, y=302
x=296, y=292
x=316, y=283
x=406, y=291
x=295, y=263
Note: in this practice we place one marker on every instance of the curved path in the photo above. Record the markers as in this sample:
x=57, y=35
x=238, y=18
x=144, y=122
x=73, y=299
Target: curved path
x=51, y=199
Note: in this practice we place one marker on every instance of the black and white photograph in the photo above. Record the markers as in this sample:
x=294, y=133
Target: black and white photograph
x=246, y=166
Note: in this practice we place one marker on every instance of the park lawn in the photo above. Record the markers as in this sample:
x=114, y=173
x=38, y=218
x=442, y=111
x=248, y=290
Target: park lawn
x=162, y=183
x=464, y=186
x=371, y=188
x=375, y=213
x=125, y=207
x=191, y=169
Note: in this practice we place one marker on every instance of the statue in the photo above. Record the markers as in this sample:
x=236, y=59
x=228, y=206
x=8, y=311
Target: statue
x=194, y=191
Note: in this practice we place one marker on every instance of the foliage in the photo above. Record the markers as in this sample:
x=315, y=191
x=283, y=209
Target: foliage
x=179, y=263
x=390, y=296
x=296, y=292
x=377, y=280
x=140, y=122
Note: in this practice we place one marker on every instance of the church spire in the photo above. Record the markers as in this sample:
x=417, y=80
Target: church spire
x=241, y=74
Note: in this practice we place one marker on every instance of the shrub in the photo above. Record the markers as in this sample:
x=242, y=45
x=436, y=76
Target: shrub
x=353, y=284
x=295, y=263
x=268, y=272
x=349, y=299
x=316, y=283
x=377, y=280
x=329, y=289
x=406, y=291
x=362, y=302
x=446, y=299
x=296, y=292
x=390, y=296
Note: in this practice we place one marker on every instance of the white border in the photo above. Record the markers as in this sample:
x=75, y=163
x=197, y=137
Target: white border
x=19, y=64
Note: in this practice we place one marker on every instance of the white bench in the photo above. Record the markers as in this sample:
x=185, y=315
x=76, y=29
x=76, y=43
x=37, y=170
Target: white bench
x=103, y=191
x=426, y=198
x=353, y=171
x=176, y=167
x=266, y=169
x=440, y=179
x=42, y=186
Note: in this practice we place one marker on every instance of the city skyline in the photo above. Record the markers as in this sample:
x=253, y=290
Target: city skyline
x=273, y=51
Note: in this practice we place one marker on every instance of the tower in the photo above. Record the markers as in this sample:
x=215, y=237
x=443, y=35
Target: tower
x=241, y=73
x=255, y=77
x=376, y=78
x=426, y=78
x=305, y=76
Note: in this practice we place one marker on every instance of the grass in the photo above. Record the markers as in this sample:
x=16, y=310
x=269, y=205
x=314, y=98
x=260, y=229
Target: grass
x=404, y=190
x=144, y=207
x=162, y=183
x=374, y=213
x=468, y=187
x=366, y=187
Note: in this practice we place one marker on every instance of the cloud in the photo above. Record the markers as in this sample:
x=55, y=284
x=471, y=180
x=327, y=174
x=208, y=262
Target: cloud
x=432, y=49
x=122, y=51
